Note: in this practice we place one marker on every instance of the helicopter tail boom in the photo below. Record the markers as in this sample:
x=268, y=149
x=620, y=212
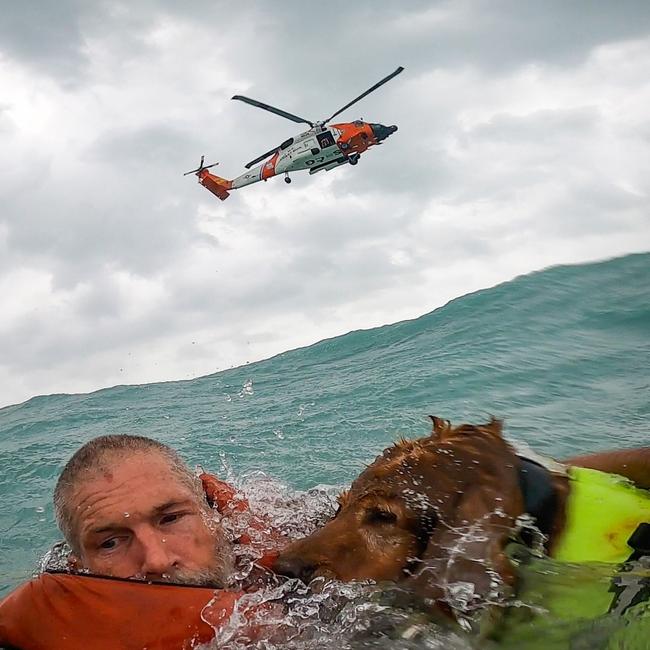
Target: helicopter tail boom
x=218, y=186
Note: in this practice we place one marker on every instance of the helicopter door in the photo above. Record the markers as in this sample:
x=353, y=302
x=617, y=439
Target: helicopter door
x=325, y=139
x=310, y=147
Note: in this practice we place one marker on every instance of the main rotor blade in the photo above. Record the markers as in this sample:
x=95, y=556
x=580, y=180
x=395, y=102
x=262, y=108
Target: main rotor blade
x=354, y=101
x=260, y=158
x=273, y=109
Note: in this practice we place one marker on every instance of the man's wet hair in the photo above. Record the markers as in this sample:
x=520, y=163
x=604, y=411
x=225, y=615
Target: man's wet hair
x=92, y=457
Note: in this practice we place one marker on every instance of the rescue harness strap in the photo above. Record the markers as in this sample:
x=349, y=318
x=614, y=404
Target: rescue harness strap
x=540, y=499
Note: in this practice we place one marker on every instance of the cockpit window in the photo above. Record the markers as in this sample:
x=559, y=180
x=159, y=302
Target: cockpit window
x=358, y=123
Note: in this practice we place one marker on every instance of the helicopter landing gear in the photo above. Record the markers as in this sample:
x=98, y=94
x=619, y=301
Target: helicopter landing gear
x=287, y=180
x=353, y=159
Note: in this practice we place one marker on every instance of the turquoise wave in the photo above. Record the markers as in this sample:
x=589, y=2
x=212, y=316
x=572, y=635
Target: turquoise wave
x=562, y=355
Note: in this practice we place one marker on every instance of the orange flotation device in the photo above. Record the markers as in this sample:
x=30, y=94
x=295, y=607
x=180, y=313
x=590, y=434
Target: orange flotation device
x=57, y=611
x=265, y=539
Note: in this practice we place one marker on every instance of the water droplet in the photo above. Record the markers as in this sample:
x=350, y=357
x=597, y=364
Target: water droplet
x=247, y=388
x=228, y=398
x=279, y=434
x=40, y=509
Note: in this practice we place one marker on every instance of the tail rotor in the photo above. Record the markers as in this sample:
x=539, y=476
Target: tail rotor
x=200, y=168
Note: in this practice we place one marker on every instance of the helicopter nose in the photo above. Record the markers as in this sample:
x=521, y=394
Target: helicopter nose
x=382, y=132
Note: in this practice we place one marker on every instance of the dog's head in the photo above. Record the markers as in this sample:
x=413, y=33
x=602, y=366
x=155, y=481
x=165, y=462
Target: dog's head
x=437, y=510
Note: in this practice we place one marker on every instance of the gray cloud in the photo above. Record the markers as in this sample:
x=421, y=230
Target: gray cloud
x=522, y=142
x=47, y=36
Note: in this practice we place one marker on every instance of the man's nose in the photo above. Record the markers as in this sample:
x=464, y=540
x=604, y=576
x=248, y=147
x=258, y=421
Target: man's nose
x=157, y=559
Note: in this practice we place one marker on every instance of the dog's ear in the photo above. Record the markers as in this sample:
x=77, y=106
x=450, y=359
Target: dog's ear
x=464, y=563
x=475, y=493
x=494, y=426
x=441, y=428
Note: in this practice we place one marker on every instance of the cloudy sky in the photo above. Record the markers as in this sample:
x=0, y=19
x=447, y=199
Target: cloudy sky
x=524, y=130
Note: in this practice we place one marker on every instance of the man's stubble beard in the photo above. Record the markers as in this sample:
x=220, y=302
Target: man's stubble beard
x=217, y=576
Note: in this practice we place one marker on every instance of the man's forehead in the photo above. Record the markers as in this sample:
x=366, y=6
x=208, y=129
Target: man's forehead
x=150, y=469
x=112, y=459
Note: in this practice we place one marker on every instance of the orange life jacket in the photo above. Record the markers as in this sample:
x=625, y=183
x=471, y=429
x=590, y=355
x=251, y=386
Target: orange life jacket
x=64, y=611
x=58, y=611
x=228, y=502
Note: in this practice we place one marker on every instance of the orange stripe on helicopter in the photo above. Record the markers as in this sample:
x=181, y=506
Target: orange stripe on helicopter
x=268, y=169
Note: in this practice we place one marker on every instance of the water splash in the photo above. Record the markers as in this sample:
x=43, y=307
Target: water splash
x=247, y=388
x=360, y=616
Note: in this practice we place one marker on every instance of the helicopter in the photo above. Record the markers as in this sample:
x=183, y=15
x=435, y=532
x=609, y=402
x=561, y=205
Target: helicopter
x=323, y=146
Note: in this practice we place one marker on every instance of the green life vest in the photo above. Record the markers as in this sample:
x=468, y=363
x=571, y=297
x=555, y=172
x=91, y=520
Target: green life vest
x=602, y=511
x=571, y=593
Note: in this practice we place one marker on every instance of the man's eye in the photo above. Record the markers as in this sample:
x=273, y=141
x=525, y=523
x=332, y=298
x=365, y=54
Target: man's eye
x=172, y=517
x=109, y=544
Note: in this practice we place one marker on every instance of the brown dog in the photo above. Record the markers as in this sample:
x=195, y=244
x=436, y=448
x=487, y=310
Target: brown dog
x=439, y=512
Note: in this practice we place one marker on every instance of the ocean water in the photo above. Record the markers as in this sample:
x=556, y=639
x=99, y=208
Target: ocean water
x=562, y=355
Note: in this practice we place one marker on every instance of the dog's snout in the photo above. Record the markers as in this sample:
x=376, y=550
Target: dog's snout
x=295, y=567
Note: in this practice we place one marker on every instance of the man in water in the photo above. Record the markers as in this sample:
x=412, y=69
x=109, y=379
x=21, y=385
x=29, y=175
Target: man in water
x=129, y=507
x=150, y=566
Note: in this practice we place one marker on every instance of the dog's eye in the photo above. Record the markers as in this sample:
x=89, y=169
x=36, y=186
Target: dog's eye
x=380, y=516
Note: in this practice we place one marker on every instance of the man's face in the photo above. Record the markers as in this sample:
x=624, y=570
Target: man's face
x=135, y=518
